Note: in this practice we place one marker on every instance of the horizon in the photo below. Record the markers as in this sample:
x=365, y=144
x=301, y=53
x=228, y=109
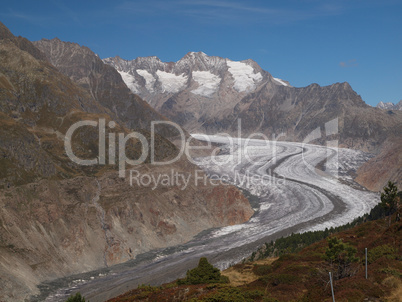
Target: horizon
x=300, y=42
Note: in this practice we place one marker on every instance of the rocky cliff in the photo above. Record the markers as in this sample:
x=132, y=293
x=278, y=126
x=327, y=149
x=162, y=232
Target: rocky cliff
x=59, y=218
x=50, y=229
x=387, y=165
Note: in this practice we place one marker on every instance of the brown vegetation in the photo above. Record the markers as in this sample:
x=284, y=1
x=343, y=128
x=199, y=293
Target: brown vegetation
x=304, y=276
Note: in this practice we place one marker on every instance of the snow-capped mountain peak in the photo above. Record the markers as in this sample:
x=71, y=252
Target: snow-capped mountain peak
x=194, y=54
x=197, y=72
x=206, y=85
x=390, y=106
x=199, y=61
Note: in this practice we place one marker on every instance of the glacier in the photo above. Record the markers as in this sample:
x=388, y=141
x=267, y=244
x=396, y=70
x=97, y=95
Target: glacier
x=207, y=81
x=129, y=80
x=148, y=77
x=170, y=82
x=244, y=77
x=299, y=187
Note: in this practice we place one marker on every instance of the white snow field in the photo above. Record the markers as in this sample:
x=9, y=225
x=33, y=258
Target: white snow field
x=207, y=81
x=244, y=77
x=280, y=81
x=130, y=81
x=170, y=82
x=149, y=78
x=294, y=193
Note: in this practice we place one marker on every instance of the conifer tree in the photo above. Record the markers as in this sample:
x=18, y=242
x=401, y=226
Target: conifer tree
x=340, y=255
x=389, y=199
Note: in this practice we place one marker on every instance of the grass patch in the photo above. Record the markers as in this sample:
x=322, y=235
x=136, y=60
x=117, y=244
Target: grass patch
x=261, y=270
x=380, y=251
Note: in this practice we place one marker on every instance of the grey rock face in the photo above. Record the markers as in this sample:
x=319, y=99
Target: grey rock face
x=209, y=94
x=195, y=89
x=101, y=80
x=59, y=218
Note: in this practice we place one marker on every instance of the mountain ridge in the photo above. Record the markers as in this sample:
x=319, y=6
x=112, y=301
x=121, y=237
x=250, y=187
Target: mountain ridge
x=84, y=67
x=213, y=98
x=390, y=105
x=196, y=76
x=59, y=218
x=197, y=82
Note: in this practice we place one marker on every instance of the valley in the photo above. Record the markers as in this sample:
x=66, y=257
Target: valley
x=134, y=208
x=290, y=195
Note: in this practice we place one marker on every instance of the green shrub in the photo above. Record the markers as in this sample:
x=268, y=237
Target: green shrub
x=224, y=279
x=385, y=250
x=253, y=294
x=261, y=270
x=276, y=279
x=297, y=268
x=211, y=286
x=389, y=198
x=391, y=271
x=340, y=255
x=76, y=298
x=269, y=299
x=148, y=288
x=170, y=285
x=289, y=257
x=228, y=294
x=204, y=273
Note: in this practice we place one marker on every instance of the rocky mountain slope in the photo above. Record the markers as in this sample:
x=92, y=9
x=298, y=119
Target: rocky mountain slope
x=59, y=218
x=194, y=90
x=51, y=229
x=102, y=82
x=386, y=165
x=390, y=106
x=210, y=94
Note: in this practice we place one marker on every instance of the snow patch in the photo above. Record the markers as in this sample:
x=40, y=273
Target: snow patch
x=280, y=81
x=170, y=82
x=243, y=75
x=130, y=81
x=149, y=78
x=208, y=83
x=390, y=106
x=200, y=53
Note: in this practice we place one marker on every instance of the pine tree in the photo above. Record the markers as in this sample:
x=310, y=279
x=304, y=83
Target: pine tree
x=340, y=255
x=204, y=273
x=76, y=298
x=389, y=199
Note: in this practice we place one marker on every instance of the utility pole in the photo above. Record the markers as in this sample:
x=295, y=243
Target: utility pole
x=366, y=261
x=332, y=287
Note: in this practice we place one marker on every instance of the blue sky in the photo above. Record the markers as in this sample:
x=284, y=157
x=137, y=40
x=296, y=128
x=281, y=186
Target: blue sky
x=302, y=41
